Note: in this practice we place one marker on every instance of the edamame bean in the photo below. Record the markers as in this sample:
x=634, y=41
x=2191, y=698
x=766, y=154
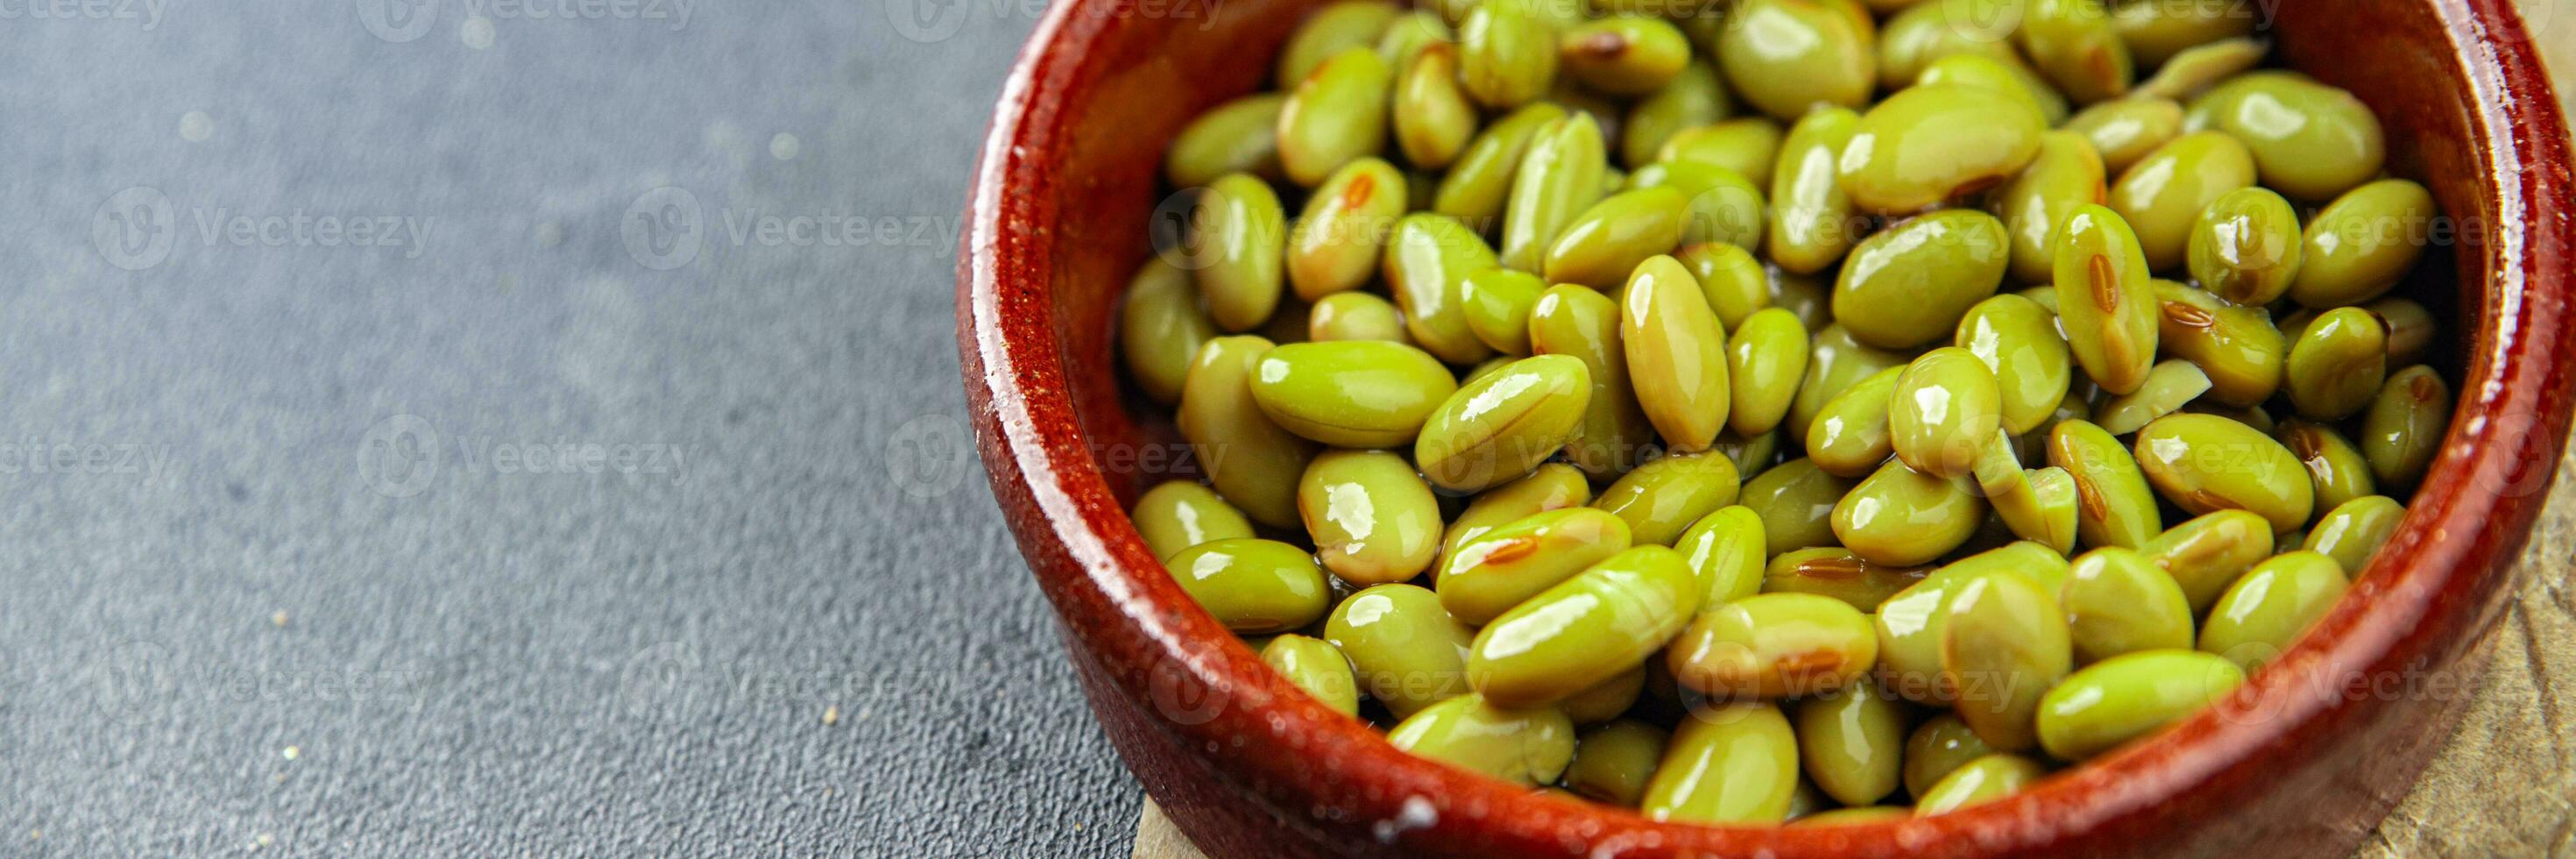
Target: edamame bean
x=2005, y=644
x=1812, y=223
x=1853, y=434
x=1584, y=630
x=1604, y=701
x=2336, y=470
x=1999, y=74
x=2170, y=385
x=1785, y=56
x=1351, y=393
x=1905, y=517
x=2073, y=43
x=1252, y=461
x=2163, y=195
x=1613, y=763
x=1852, y=742
x=1726, y=763
x=2125, y=130
x=1980, y=781
x=1316, y=666
x=1724, y=207
x=1693, y=98
x=1412, y=31
x=1911, y=624
x=1431, y=115
x=1406, y=651
x=1331, y=30
x=1602, y=246
x=1526, y=746
x=1624, y=54
x=2265, y=612
x=2017, y=340
x=1929, y=144
x=1336, y=115
x=1837, y=573
x=1924, y=33
x=1661, y=499
x=1584, y=324
x=2108, y=704
x=1936, y=748
x=1749, y=145
x=1160, y=329
x=1507, y=565
x=1426, y=265
x=1751, y=454
x=1911, y=284
x=1765, y=361
x=2105, y=300
x=2337, y=364
x=2310, y=140
x=1336, y=243
x=2117, y=601
x=2352, y=532
x=1481, y=176
x=1795, y=501
x=1502, y=426
x=2202, y=66
x=2410, y=329
x=1373, y=520
x=1835, y=361
x=2245, y=248
x=1676, y=354
x=1497, y=304
x=1254, y=587
x=1726, y=549
x=1945, y=408
x=2206, y=463
x=1554, y=486
x=2067, y=173
x=2206, y=554
x=1558, y=178
x=2114, y=507
x=2236, y=347
x=2404, y=426
x=1239, y=136
x=1241, y=233
x=2362, y=243
x=1355, y=316
x=1774, y=645
x=1178, y=514
x=1506, y=56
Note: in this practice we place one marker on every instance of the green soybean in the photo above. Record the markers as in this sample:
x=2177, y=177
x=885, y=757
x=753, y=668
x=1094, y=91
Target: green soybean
x=1795, y=501
x=1929, y=144
x=1160, y=329
x=2005, y=644
x=1979, y=781
x=2352, y=532
x=1748, y=145
x=1835, y=361
x=1911, y=625
x=1765, y=360
x=1727, y=763
x=2065, y=174
x=2245, y=247
x=1852, y=742
x=2311, y=141
x=1905, y=517
x=1351, y=393
x=1335, y=115
x=1676, y=354
x=2235, y=346
x=2125, y=130
x=2017, y=340
x=1178, y=514
x=1505, y=424
x=1944, y=409
x=1775, y=645
x=1317, y=667
x=1853, y=434
x=2403, y=428
x=2336, y=469
x=1497, y=304
x=1239, y=136
x=2073, y=43
x=1254, y=587
x=1694, y=97
x=2105, y=300
x=1426, y=265
x=1355, y=316
x=2206, y=554
x=1661, y=499
x=1936, y=748
x=1527, y=745
x=1613, y=763
x=2337, y=363
x=2114, y=505
x=1812, y=224
x=1558, y=178
x=2118, y=601
x=2158, y=32
x=2265, y=612
x=1241, y=234
x=1584, y=324
x=1554, y=486
x=1475, y=188
x=1724, y=206
x=1336, y=244
x=1331, y=30
x=1373, y=520
x=1601, y=246
x=2110, y=703
x=1924, y=33
x=2363, y=243
x=1505, y=566
x=1623, y=54
x=2170, y=385
x=1726, y=549
x=1431, y=115
x=1506, y=57
x=1584, y=630
x=1998, y=74
x=1839, y=574
x=1911, y=284
x=1407, y=653
x=1252, y=461
x=2163, y=195
x=2206, y=463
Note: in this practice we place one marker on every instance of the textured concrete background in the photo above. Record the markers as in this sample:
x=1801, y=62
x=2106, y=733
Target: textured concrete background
x=328, y=587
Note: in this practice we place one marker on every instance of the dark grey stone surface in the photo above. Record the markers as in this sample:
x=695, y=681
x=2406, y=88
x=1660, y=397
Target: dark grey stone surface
x=554, y=532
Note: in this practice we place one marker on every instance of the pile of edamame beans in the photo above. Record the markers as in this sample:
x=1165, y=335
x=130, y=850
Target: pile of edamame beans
x=1775, y=411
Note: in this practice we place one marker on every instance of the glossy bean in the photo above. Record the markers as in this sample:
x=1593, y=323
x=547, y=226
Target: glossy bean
x=1252, y=586
x=2118, y=601
x=2114, y=507
x=1253, y=462
x=1812, y=222
x=1663, y=498
x=1160, y=329
x=1728, y=763
x=2352, y=532
x=1601, y=246
x=1239, y=136
x=1584, y=324
x=1316, y=666
x=1852, y=742
x=1335, y=115
x=1426, y=264
x=2265, y=612
x=1407, y=653
x=2337, y=363
x=1905, y=517
x=1929, y=144
x=1505, y=566
x=1496, y=430
x=1179, y=514
x=2404, y=426
x=2110, y=703
x=1795, y=501
x=1526, y=745
x=1584, y=630
x=2105, y=301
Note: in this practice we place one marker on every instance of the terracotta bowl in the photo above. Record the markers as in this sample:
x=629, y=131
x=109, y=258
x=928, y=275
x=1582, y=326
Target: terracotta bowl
x=2305, y=760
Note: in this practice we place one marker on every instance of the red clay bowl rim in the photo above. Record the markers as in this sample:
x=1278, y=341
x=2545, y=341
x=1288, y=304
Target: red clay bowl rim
x=2510, y=420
